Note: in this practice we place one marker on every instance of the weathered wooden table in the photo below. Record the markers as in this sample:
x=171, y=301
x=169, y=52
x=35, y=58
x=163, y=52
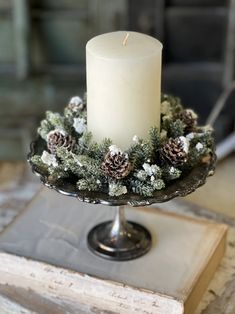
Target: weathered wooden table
x=17, y=186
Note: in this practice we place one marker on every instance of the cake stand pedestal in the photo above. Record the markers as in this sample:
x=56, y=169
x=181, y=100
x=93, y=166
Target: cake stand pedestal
x=119, y=239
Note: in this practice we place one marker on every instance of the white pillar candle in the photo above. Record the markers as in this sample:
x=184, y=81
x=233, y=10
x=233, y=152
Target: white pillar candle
x=123, y=86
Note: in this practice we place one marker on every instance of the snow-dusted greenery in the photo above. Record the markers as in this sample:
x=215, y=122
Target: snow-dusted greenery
x=149, y=170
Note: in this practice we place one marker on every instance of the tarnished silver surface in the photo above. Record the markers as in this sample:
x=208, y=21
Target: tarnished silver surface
x=118, y=239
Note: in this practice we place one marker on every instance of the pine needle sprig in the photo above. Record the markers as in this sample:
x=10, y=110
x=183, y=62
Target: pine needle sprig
x=140, y=153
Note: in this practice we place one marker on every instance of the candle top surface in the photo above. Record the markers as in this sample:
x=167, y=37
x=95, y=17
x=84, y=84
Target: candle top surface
x=119, y=45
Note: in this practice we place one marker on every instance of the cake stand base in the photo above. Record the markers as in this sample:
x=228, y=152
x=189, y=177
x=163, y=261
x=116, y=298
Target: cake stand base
x=135, y=243
x=119, y=240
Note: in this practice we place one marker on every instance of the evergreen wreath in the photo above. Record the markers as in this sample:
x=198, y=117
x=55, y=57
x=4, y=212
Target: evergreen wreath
x=146, y=166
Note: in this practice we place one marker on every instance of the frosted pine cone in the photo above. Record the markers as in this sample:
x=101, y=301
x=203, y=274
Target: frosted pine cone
x=189, y=118
x=76, y=104
x=175, y=151
x=116, y=163
x=58, y=139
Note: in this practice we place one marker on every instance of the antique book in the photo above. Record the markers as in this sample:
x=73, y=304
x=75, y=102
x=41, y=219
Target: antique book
x=45, y=263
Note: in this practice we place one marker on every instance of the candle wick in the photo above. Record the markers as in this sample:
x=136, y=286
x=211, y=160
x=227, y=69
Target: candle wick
x=125, y=39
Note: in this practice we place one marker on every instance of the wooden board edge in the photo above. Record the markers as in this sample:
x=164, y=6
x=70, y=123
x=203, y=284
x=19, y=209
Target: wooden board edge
x=69, y=285
x=207, y=271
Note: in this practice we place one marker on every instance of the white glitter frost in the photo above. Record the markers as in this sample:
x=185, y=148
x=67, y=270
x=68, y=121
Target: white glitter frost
x=49, y=159
x=79, y=125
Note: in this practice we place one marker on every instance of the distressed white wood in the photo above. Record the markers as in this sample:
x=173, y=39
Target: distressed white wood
x=70, y=287
x=9, y=307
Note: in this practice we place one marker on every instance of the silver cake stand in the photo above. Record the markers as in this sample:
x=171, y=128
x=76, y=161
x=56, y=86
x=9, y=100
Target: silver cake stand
x=119, y=239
